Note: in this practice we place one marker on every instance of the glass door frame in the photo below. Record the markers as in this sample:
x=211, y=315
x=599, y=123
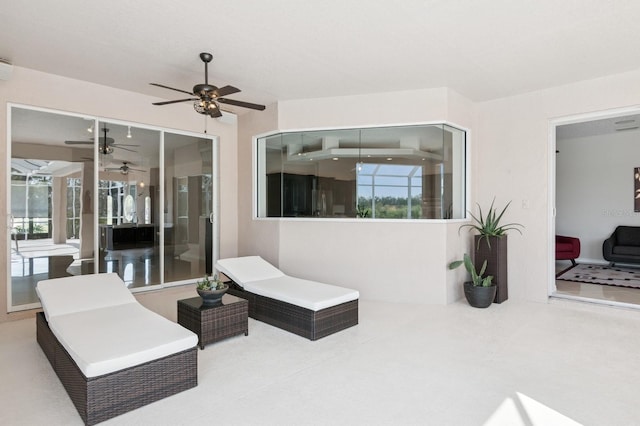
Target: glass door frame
x=96, y=120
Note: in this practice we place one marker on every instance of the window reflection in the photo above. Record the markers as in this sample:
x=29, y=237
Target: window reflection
x=404, y=172
x=70, y=172
x=390, y=192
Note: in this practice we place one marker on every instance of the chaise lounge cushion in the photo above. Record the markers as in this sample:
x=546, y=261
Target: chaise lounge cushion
x=304, y=293
x=78, y=293
x=105, y=340
x=104, y=328
x=258, y=276
x=248, y=268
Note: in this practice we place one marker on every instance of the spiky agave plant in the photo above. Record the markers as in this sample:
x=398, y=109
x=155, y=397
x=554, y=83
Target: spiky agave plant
x=476, y=277
x=489, y=225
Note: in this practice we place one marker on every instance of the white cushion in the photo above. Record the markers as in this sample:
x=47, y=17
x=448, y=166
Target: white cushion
x=109, y=339
x=249, y=268
x=61, y=296
x=304, y=293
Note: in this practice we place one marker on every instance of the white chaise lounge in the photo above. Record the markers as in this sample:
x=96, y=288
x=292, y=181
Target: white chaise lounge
x=111, y=354
x=308, y=308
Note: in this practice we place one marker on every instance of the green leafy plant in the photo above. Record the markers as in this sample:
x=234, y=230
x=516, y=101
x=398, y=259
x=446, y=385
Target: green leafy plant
x=489, y=225
x=362, y=212
x=476, y=277
x=207, y=283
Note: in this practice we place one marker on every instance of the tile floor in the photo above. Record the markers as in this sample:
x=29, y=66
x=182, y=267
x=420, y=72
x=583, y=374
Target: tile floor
x=596, y=293
x=139, y=267
x=561, y=363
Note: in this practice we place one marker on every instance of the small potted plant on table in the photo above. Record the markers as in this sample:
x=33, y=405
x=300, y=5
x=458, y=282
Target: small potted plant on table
x=480, y=291
x=211, y=289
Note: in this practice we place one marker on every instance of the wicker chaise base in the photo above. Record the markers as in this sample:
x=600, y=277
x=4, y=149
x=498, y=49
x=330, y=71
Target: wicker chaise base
x=100, y=398
x=301, y=321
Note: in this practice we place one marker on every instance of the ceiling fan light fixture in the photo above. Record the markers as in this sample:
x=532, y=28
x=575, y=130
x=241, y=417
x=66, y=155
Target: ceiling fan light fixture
x=206, y=107
x=128, y=132
x=105, y=149
x=199, y=107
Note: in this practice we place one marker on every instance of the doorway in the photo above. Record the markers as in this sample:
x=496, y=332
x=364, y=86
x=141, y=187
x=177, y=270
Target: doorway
x=593, y=181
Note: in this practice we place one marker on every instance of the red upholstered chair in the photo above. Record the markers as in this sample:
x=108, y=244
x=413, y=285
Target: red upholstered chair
x=567, y=248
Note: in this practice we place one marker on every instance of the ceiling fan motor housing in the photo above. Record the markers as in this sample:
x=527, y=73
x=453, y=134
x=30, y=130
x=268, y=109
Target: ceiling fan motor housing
x=105, y=149
x=203, y=89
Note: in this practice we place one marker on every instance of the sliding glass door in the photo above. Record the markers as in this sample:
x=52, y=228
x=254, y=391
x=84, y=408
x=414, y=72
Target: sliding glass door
x=51, y=224
x=90, y=195
x=188, y=207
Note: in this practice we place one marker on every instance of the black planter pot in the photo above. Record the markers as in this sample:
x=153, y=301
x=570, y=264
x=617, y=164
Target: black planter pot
x=495, y=253
x=479, y=297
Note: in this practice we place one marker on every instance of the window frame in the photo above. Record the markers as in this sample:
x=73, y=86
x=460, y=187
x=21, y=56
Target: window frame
x=259, y=197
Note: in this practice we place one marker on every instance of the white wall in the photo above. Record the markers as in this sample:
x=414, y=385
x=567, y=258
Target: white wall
x=34, y=88
x=255, y=237
x=398, y=261
x=513, y=158
x=595, y=188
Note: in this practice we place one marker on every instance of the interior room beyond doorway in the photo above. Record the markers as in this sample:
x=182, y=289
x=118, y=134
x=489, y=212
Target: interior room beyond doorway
x=595, y=162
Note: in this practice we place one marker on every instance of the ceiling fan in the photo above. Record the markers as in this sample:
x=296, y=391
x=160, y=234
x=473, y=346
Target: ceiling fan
x=106, y=145
x=124, y=169
x=208, y=97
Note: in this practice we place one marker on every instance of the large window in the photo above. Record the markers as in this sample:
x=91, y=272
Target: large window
x=74, y=192
x=401, y=172
x=31, y=204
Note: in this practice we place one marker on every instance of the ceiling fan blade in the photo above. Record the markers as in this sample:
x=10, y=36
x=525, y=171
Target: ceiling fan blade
x=225, y=91
x=126, y=149
x=171, y=88
x=176, y=101
x=241, y=104
x=79, y=142
x=123, y=144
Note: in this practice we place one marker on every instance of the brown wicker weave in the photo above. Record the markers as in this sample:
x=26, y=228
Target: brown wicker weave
x=214, y=322
x=103, y=397
x=298, y=320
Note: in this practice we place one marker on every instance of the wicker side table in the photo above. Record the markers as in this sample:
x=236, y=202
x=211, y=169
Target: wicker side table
x=214, y=322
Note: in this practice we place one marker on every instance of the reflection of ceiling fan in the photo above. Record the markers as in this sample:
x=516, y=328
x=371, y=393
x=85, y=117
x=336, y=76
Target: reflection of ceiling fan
x=124, y=169
x=106, y=144
x=207, y=96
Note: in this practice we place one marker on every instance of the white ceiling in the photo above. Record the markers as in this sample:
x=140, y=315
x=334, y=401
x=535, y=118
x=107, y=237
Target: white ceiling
x=292, y=49
x=605, y=126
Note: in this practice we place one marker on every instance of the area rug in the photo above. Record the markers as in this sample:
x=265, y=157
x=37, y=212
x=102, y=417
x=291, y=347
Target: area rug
x=602, y=274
